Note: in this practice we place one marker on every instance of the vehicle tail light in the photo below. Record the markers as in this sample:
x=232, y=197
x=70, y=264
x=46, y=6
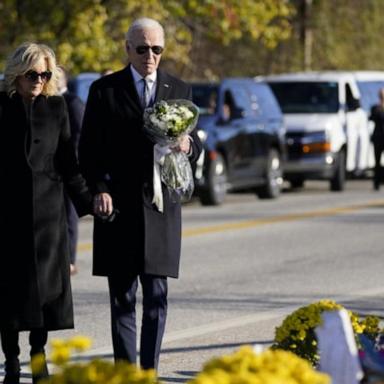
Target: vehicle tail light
x=212, y=155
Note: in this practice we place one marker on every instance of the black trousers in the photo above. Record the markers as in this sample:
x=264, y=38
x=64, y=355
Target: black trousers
x=122, y=292
x=10, y=342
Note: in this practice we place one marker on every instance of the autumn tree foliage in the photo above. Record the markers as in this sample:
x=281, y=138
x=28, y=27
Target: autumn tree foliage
x=205, y=39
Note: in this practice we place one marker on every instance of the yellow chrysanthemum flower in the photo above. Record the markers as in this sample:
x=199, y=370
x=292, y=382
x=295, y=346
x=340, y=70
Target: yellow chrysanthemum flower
x=80, y=343
x=38, y=362
x=296, y=333
x=60, y=355
x=57, y=343
x=269, y=367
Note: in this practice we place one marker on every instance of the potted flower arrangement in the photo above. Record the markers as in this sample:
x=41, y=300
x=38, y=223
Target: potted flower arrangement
x=297, y=332
x=96, y=371
x=268, y=367
x=243, y=366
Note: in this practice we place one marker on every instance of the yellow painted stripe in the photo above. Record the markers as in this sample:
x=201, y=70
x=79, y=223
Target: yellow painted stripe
x=84, y=247
x=278, y=219
x=191, y=232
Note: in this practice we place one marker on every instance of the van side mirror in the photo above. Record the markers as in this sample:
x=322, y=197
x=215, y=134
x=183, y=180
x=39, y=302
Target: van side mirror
x=353, y=104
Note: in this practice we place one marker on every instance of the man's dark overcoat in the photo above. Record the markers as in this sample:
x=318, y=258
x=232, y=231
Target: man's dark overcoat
x=377, y=116
x=36, y=159
x=117, y=157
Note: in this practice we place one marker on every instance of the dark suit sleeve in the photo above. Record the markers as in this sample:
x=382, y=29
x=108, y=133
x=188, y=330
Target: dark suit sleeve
x=76, y=112
x=68, y=166
x=92, y=140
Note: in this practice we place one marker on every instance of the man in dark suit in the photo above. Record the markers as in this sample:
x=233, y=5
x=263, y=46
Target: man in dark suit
x=140, y=243
x=377, y=116
x=76, y=109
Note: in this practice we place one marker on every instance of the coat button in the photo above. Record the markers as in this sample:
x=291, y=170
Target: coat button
x=36, y=141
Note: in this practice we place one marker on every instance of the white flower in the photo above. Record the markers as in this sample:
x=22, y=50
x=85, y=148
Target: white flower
x=165, y=123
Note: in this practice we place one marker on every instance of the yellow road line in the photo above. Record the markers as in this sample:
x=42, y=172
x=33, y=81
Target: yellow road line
x=84, y=247
x=191, y=232
x=278, y=219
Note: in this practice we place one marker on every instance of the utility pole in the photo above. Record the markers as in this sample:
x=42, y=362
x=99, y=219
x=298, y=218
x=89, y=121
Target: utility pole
x=306, y=33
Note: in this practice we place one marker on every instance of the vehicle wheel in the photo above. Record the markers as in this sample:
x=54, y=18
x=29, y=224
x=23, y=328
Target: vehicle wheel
x=337, y=183
x=297, y=183
x=274, y=179
x=216, y=185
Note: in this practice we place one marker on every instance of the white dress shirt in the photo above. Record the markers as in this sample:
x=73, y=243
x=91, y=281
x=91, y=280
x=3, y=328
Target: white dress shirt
x=151, y=83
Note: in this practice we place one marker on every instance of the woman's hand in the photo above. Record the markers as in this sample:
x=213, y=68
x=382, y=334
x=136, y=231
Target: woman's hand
x=102, y=205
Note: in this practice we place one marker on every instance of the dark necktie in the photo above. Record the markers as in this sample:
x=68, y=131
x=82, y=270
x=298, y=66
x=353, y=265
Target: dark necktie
x=146, y=94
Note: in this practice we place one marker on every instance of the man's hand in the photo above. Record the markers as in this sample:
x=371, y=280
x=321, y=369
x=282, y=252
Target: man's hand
x=102, y=205
x=184, y=144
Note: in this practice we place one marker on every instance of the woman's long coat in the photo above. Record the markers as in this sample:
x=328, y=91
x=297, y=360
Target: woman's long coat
x=37, y=159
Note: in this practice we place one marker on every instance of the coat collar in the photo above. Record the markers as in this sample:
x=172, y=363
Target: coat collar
x=163, y=87
x=37, y=102
x=130, y=92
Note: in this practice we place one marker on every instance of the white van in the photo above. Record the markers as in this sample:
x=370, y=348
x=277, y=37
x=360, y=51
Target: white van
x=326, y=115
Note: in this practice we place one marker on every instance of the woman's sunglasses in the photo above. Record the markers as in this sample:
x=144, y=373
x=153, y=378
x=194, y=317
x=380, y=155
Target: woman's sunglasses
x=33, y=76
x=156, y=49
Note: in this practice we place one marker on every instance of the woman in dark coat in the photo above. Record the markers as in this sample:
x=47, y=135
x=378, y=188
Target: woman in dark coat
x=37, y=160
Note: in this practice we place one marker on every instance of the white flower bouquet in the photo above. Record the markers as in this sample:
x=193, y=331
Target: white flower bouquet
x=165, y=123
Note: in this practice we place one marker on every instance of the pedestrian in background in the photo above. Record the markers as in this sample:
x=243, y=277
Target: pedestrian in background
x=377, y=116
x=75, y=108
x=116, y=157
x=37, y=159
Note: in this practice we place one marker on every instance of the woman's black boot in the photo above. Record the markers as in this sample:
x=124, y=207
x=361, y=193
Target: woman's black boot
x=10, y=347
x=12, y=371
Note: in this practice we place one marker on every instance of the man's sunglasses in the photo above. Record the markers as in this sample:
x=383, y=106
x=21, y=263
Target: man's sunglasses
x=33, y=76
x=156, y=49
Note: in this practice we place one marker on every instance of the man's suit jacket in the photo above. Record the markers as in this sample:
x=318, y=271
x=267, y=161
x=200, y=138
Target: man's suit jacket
x=117, y=157
x=76, y=109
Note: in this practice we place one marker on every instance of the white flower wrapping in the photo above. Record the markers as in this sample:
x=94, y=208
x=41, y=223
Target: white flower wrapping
x=165, y=123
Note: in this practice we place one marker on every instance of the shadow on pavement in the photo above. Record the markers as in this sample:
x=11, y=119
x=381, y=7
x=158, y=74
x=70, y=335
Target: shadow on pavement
x=214, y=346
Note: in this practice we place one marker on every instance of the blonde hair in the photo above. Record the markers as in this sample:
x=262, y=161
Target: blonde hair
x=23, y=59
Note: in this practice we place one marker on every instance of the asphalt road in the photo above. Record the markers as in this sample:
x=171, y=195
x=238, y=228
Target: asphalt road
x=245, y=266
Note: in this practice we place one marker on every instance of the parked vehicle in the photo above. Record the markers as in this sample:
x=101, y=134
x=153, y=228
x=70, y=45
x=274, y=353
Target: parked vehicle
x=80, y=84
x=328, y=131
x=241, y=127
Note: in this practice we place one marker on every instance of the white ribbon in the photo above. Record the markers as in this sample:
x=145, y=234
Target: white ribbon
x=159, y=153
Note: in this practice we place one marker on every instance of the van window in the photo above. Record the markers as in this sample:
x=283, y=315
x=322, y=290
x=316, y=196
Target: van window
x=241, y=97
x=349, y=97
x=369, y=93
x=228, y=107
x=205, y=97
x=306, y=96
